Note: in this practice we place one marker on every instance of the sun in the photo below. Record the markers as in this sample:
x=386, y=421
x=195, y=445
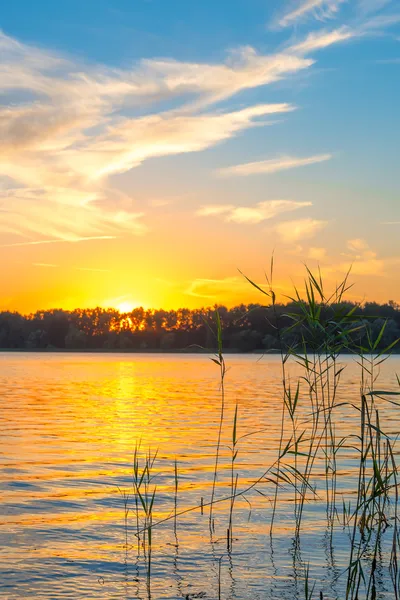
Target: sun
x=125, y=307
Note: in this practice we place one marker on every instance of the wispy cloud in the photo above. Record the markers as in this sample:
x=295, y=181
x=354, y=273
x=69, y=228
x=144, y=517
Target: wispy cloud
x=214, y=210
x=53, y=266
x=71, y=126
x=250, y=215
x=69, y=130
x=212, y=289
x=318, y=40
x=273, y=165
x=296, y=231
x=379, y=22
x=45, y=265
x=320, y=9
x=370, y=6
x=70, y=241
x=129, y=143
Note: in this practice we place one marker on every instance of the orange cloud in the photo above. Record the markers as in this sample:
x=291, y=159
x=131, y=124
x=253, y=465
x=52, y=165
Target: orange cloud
x=295, y=231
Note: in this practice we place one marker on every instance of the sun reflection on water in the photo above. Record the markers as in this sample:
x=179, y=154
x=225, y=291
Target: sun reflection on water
x=70, y=424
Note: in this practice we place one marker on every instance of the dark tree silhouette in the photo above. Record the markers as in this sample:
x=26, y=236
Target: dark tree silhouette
x=245, y=328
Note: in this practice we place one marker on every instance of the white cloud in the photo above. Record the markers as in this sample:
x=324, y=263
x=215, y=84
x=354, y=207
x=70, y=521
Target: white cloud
x=320, y=9
x=244, y=69
x=130, y=142
x=296, y=231
x=262, y=211
x=273, y=165
x=67, y=131
x=379, y=22
x=322, y=39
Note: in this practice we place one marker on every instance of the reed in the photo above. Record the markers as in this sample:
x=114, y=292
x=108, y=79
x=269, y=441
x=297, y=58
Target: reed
x=219, y=360
x=145, y=495
x=321, y=328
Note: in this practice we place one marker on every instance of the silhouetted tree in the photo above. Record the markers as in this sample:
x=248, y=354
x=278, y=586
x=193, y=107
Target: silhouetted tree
x=245, y=328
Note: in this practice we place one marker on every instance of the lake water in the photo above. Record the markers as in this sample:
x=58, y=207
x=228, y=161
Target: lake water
x=69, y=424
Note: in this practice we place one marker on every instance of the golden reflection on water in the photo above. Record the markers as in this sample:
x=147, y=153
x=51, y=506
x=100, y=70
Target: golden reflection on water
x=69, y=427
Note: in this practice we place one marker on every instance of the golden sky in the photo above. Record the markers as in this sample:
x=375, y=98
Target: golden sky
x=128, y=179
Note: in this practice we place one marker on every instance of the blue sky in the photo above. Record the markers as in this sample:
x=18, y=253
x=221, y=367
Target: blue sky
x=201, y=137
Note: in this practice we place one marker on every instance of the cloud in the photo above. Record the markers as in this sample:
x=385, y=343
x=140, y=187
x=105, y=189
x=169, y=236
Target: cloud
x=357, y=245
x=361, y=250
x=130, y=142
x=244, y=69
x=49, y=265
x=273, y=165
x=296, y=231
x=371, y=266
x=362, y=260
x=214, y=289
x=70, y=241
x=370, y=6
x=262, y=211
x=45, y=265
x=322, y=39
x=361, y=266
x=379, y=22
x=365, y=23
x=213, y=210
x=317, y=253
x=65, y=129
x=320, y=9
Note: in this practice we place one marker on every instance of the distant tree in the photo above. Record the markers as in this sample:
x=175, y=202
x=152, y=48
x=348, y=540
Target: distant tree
x=58, y=329
x=168, y=341
x=75, y=339
x=244, y=327
x=246, y=340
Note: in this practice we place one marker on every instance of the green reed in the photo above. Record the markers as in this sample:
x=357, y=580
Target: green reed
x=145, y=494
x=321, y=327
x=219, y=360
x=234, y=479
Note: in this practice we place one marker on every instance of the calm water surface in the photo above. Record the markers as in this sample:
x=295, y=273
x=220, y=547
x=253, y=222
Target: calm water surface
x=69, y=425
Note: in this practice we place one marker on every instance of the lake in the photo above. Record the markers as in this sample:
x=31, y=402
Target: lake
x=69, y=427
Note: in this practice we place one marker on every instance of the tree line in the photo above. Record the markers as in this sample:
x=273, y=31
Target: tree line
x=245, y=328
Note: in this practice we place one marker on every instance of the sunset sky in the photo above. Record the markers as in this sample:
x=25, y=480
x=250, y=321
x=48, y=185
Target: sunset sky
x=151, y=148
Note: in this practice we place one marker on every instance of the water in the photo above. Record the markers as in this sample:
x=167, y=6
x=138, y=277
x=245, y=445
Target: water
x=69, y=424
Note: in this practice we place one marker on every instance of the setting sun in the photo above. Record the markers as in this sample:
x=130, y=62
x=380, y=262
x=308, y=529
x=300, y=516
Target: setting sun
x=125, y=307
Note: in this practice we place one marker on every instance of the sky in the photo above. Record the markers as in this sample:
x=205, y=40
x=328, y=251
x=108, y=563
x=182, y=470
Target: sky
x=151, y=151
